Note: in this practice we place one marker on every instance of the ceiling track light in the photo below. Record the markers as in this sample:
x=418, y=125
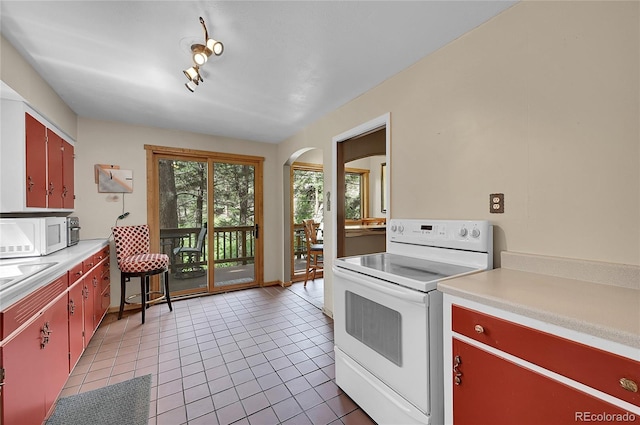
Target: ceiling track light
x=200, y=55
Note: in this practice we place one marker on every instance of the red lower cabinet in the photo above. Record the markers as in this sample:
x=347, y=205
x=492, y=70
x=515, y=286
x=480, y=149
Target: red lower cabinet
x=31, y=361
x=502, y=369
x=88, y=289
x=76, y=324
x=44, y=335
x=492, y=390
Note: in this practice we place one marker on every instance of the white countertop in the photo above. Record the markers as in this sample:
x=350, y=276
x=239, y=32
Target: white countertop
x=609, y=311
x=63, y=260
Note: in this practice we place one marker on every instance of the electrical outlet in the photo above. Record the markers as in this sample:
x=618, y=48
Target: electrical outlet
x=496, y=203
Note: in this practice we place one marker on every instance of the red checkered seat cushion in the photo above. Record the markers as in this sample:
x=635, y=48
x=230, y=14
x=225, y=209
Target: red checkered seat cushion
x=143, y=263
x=132, y=250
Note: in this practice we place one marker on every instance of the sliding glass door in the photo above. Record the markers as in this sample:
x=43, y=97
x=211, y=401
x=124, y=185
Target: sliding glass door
x=235, y=225
x=204, y=212
x=183, y=213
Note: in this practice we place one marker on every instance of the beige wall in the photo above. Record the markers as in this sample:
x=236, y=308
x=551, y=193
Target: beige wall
x=121, y=144
x=372, y=164
x=541, y=104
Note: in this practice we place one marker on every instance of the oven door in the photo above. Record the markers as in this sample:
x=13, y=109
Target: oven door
x=384, y=328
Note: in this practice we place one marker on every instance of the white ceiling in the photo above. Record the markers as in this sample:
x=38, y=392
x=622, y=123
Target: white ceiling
x=285, y=63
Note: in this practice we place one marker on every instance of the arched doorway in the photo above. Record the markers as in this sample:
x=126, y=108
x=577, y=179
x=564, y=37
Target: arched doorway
x=303, y=187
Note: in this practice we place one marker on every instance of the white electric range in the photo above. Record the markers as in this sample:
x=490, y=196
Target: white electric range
x=388, y=316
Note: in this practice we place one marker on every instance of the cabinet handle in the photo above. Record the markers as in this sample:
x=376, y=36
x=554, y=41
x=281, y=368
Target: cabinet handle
x=479, y=329
x=30, y=184
x=51, y=188
x=72, y=307
x=95, y=281
x=64, y=191
x=457, y=361
x=79, y=273
x=629, y=385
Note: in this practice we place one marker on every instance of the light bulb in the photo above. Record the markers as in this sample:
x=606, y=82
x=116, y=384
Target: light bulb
x=199, y=58
x=215, y=46
x=192, y=74
x=191, y=86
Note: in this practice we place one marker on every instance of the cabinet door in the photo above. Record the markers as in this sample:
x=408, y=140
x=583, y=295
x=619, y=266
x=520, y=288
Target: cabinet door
x=36, y=166
x=88, y=290
x=54, y=162
x=97, y=301
x=36, y=366
x=68, y=188
x=104, y=289
x=76, y=324
x=495, y=391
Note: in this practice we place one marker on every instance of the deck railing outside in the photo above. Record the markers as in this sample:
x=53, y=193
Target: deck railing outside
x=232, y=244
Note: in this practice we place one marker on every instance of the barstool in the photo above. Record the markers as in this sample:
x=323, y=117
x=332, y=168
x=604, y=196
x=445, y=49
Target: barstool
x=315, y=250
x=135, y=260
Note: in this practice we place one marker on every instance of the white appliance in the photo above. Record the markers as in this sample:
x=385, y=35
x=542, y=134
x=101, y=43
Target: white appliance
x=388, y=316
x=32, y=237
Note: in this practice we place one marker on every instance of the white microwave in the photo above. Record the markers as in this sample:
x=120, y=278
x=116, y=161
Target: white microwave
x=32, y=237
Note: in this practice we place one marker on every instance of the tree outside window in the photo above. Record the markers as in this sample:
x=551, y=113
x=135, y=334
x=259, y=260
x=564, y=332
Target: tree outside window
x=308, y=187
x=353, y=193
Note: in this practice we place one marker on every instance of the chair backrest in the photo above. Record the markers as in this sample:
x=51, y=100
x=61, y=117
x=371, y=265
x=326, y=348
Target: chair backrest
x=201, y=236
x=310, y=231
x=131, y=240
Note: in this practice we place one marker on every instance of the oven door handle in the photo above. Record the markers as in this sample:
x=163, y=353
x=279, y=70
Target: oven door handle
x=383, y=287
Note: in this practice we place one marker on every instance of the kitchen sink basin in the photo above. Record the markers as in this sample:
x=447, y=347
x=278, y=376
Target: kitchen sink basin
x=16, y=271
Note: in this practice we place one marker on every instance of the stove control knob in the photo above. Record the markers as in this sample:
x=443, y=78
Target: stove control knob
x=463, y=232
x=400, y=228
x=394, y=228
x=475, y=233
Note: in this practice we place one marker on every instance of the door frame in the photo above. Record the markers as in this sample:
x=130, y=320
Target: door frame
x=374, y=124
x=153, y=215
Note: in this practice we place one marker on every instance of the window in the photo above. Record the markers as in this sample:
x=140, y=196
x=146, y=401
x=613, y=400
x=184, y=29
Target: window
x=356, y=191
x=307, y=193
x=353, y=196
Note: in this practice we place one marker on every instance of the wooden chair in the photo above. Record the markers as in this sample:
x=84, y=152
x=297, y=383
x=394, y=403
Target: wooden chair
x=192, y=267
x=135, y=260
x=314, y=251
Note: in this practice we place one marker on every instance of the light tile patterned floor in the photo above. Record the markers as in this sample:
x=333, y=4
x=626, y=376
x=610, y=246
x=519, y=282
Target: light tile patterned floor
x=257, y=356
x=313, y=292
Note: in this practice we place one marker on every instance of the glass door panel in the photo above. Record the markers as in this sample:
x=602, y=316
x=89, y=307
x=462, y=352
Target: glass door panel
x=234, y=230
x=183, y=223
x=307, y=200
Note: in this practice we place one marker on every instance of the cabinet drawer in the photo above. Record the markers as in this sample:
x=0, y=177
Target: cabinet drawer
x=101, y=255
x=20, y=312
x=105, y=280
x=104, y=266
x=75, y=273
x=591, y=366
x=105, y=300
x=88, y=264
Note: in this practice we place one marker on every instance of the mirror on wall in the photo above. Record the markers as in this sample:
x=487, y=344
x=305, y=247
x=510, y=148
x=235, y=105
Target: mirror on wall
x=361, y=206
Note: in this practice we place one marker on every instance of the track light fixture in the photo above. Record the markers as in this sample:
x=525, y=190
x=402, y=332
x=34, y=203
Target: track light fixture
x=200, y=55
